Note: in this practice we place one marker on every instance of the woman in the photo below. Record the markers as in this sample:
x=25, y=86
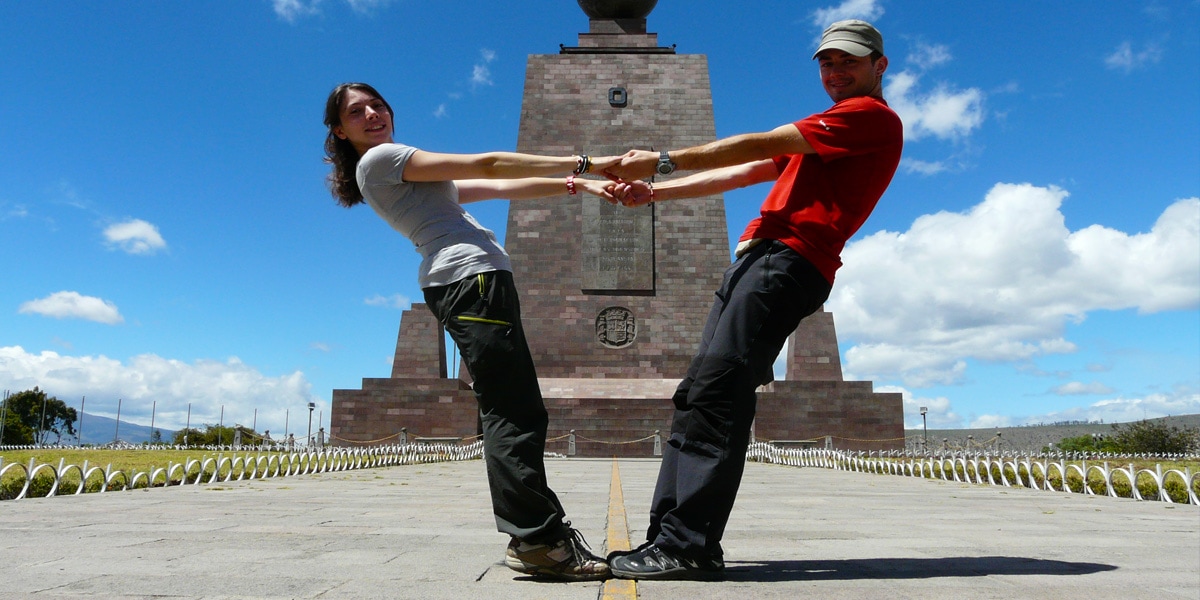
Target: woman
x=467, y=281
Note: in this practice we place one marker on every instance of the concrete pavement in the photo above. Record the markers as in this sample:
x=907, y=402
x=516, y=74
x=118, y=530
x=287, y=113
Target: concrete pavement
x=426, y=531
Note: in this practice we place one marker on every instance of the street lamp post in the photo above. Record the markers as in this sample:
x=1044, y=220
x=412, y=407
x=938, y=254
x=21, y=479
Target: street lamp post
x=924, y=425
x=311, y=406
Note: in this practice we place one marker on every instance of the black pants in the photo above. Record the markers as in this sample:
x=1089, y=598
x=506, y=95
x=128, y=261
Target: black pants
x=762, y=299
x=483, y=316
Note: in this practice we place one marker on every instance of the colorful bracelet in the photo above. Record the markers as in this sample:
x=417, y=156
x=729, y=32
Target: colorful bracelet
x=650, y=184
x=571, y=185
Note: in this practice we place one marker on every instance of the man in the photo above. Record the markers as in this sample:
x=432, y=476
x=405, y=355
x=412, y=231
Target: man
x=829, y=169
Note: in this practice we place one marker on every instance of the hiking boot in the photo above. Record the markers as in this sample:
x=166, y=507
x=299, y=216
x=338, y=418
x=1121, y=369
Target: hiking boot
x=653, y=562
x=567, y=559
x=716, y=561
x=615, y=553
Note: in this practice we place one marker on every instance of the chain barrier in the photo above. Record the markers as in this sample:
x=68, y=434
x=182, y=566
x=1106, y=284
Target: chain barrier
x=1042, y=472
x=647, y=438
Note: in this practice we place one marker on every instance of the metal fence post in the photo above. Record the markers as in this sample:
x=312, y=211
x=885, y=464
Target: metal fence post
x=658, y=442
x=571, y=443
x=403, y=436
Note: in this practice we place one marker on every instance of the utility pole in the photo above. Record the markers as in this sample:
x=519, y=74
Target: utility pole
x=42, y=421
x=117, y=431
x=3, y=416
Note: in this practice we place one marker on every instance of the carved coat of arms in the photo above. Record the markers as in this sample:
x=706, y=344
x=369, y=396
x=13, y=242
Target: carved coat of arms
x=616, y=327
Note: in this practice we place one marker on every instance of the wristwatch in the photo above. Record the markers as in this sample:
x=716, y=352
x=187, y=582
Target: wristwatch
x=665, y=166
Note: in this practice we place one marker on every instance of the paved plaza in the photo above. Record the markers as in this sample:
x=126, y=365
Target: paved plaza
x=426, y=531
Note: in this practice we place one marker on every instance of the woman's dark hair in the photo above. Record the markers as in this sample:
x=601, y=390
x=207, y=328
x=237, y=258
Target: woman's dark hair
x=341, y=153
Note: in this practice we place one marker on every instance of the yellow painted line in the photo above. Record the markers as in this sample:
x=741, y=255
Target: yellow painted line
x=618, y=539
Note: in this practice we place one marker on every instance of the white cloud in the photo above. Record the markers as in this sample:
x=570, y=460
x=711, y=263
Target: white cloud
x=1078, y=388
x=366, y=6
x=1000, y=282
x=290, y=10
x=991, y=422
x=13, y=211
x=399, y=301
x=867, y=10
x=922, y=167
x=1125, y=59
x=441, y=111
x=945, y=113
x=73, y=305
x=939, y=414
x=1123, y=410
x=168, y=387
x=135, y=236
x=926, y=56
x=480, y=74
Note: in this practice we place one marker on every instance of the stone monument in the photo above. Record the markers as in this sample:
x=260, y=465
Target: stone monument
x=613, y=298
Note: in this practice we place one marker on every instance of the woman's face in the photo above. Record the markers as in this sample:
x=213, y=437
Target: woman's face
x=366, y=121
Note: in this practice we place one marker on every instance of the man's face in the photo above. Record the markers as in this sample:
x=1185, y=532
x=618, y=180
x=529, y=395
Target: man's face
x=845, y=75
x=366, y=121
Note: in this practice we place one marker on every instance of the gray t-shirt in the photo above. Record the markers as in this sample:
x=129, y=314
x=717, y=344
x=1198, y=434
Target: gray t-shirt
x=452, y=244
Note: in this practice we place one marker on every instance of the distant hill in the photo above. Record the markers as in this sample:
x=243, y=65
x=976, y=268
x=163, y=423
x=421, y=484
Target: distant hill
x=1032, y=438
x=99, y=430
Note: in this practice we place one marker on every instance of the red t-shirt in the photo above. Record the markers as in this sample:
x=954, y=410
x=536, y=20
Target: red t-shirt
x=820, y=200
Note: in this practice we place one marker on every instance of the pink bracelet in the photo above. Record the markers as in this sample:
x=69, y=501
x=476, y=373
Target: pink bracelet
x=571, y=184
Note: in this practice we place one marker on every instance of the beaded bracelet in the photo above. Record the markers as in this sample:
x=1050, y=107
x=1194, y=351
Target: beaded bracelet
x=571, y=185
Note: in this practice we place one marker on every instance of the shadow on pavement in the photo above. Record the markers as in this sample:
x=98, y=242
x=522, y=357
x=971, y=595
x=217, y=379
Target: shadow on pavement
x=904, y=568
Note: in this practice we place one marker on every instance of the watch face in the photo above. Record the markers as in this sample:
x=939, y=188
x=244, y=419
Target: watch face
x=664, y=168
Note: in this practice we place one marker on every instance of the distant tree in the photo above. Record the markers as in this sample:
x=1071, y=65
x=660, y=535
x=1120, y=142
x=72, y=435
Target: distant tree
x=188, y=437
x=40, y=415
x=1155, y=437
x=156, y=436
x=15, y=433
x=211, y=435
x=1086, y=443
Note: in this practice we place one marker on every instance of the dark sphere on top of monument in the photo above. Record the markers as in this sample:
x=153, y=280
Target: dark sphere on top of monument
x=617, y=9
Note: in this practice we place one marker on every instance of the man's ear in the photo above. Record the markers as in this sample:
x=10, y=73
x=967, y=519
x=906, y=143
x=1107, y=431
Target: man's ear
x=881, y=65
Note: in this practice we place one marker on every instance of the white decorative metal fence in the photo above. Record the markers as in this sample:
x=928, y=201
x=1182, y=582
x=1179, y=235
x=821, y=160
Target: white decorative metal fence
x=1040, y=472
x=236, y=466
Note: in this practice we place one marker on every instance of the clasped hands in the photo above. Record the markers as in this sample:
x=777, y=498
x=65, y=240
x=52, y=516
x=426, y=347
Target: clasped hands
x=625, y=174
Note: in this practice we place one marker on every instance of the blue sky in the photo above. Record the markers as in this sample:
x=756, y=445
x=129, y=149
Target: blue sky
x=166, y=238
